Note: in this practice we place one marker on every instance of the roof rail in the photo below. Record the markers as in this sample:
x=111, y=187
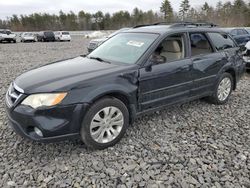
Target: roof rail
x=180, y=24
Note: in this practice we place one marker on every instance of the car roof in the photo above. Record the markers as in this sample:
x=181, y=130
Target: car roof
x=163, y=29
x=228, y=29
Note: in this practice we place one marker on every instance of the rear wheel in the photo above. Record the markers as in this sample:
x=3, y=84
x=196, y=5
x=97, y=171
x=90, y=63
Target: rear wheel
x=105, y=123
x=223, y=89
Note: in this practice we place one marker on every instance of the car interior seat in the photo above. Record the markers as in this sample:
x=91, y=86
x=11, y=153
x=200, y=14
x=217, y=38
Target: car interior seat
x=201, y=47
x=171, y=50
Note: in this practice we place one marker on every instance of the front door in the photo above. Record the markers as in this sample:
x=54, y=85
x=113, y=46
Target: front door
x=168, y=81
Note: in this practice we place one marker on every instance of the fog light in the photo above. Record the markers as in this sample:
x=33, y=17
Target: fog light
x=38, y=132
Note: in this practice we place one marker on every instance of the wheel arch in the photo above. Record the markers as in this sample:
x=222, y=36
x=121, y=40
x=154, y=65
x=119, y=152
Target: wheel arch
x=123, y=96
x=233, y=73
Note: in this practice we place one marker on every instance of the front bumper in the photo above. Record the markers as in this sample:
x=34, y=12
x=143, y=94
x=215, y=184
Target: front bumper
x=56, y=123
x=8, y=39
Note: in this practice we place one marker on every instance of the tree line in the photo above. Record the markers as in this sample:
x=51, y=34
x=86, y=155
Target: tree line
x=234, y=13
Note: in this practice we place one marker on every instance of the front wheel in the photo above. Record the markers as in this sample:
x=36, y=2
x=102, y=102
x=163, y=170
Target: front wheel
x=105, y=123
x=223, y=89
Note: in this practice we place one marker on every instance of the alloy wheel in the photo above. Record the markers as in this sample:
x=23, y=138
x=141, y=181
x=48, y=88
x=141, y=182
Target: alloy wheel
x=224, y=89
x=107, y=124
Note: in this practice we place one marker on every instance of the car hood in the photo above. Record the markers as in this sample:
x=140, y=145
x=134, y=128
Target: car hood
x=98, y=40
x=63, y=75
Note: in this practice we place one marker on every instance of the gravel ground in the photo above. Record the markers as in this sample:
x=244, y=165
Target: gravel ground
x=191, y=145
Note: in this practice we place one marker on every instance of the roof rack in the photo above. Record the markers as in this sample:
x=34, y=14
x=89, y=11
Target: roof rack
x=181, y=24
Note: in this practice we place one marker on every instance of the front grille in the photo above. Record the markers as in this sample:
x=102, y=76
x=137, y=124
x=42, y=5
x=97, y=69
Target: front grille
x=13, y=94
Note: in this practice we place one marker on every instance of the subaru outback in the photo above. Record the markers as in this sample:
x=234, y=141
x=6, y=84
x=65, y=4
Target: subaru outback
x=96, y=97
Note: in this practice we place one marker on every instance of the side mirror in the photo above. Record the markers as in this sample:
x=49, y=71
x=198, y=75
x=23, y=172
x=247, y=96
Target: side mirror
x=149, y=65
x=154, y=60
x=158, y=59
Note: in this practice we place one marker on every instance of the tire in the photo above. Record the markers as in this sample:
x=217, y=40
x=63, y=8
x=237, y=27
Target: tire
x=14, y=41
x=218, y=99
x=90, y=126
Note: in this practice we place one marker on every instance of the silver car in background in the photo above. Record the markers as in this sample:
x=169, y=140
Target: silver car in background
x=7, y=36
x=28, y=37
x=93, y=44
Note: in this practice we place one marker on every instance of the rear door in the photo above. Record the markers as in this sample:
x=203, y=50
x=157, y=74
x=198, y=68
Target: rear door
x=217, y=50
x=170, y=81
x=207, y=62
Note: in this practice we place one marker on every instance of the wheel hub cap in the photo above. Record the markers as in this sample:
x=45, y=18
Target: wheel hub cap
x=224, y=89
x=106, y=125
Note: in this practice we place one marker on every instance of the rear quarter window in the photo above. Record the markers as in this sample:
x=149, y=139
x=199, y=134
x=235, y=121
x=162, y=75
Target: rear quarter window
x=221, y=41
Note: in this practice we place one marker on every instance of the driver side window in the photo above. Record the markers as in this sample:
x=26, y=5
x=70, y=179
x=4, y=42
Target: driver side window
x=171, y=49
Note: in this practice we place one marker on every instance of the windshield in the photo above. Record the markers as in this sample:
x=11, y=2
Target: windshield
x=28, y=34
x=124, y=47
x=49, y=33
x=65, y=33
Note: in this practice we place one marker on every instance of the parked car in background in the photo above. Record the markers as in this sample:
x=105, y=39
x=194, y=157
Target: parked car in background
x=62, y=36
x=28, y=37
x=93, y=44
x=46, y=36
x=7, y=36
x=240, y=35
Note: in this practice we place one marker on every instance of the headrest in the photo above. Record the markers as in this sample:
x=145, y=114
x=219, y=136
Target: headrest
x=171, y=46
x=203, y=44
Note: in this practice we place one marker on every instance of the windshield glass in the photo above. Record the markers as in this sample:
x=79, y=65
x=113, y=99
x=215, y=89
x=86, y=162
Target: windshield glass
x=124, y=47
x=65, y=33
x=28, y=34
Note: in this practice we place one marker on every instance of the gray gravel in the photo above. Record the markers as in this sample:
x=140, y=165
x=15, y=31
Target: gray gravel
x=191, y=145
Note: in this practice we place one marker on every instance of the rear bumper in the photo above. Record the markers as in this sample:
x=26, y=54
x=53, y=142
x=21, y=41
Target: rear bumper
x=56, y=124
x=64, y=39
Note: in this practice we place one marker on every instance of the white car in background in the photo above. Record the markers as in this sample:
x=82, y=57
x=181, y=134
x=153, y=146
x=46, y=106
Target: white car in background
x=62, y=36
x=7, y=36
x=28, y=37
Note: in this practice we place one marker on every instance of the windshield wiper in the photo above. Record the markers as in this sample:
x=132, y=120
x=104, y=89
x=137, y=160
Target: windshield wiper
x=99, y=59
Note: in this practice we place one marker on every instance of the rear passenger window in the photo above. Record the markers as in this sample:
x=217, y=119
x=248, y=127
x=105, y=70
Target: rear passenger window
x=199, y=44
x=221, y=41
x=242, y=32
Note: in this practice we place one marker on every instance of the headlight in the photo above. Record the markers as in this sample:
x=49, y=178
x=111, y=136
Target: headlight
x=46, y=99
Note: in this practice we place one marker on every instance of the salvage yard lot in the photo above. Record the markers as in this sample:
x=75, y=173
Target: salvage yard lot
x=190, y=145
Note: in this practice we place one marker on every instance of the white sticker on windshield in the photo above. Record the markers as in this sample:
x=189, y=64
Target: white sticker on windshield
x=135, y=43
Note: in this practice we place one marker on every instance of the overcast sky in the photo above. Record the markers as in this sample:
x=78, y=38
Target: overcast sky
x=10, y=7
